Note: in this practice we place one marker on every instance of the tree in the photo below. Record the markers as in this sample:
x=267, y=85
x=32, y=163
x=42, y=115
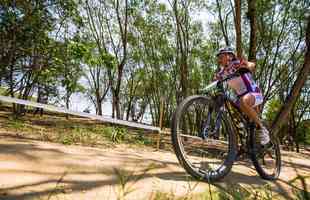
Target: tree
x=279, y=46
x=223, y=22
x=252, y=17
x=238, y=27
x=153, y=61
x=182, y=23
x=108, y=22
x=27, y=47
x=298, y=84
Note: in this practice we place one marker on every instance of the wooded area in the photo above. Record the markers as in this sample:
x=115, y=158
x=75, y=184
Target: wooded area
x=137, y=54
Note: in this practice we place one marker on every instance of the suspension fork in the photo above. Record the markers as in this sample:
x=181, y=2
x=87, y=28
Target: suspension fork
x=207, y=129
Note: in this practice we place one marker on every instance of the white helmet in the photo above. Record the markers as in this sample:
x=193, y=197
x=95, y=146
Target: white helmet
x=226, y=50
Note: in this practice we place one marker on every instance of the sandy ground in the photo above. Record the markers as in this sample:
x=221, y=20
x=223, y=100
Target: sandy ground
x=32, y=169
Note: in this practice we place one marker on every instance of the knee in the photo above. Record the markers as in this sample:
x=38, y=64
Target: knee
x=247, y=101
x=243, y=103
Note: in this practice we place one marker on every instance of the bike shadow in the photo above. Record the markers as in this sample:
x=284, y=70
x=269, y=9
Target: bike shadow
x=243, y=180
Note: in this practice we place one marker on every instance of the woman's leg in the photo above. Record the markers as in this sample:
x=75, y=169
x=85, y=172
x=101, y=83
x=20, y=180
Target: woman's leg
x=246, y=104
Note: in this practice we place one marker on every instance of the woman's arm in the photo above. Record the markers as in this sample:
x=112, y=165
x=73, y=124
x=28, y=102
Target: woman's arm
x=251, y=66
x=248, y=65
x=219, y=74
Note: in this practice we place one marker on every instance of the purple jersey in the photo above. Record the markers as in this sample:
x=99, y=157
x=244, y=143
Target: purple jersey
x=242, y=84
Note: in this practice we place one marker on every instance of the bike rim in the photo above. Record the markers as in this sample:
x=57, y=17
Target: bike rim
x=208, y=155
x=269, y=159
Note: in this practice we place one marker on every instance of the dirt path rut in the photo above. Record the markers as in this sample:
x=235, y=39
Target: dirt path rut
x=32, y=169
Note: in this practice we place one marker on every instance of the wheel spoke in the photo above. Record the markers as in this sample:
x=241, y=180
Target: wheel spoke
x=267, y=161
x=201, y=139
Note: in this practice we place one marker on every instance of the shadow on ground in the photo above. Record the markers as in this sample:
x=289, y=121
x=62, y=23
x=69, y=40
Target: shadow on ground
x=71, y=167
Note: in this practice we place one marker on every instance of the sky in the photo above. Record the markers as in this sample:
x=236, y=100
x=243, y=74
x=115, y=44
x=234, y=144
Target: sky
x=79, y=102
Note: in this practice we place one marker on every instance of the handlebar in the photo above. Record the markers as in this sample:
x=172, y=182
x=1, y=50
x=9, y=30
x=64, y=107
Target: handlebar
x=230, y=76
x=219, y=83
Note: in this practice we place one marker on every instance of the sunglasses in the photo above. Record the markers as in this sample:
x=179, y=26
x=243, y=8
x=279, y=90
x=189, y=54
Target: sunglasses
x=221, y=55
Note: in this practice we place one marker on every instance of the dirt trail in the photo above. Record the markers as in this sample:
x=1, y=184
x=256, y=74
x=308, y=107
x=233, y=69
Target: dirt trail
x=32, y=169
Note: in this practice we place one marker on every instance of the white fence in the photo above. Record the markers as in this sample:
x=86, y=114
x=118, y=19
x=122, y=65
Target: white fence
x=81, y=114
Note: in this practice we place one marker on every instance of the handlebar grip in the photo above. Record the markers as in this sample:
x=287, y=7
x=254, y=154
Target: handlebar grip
x=231, y=76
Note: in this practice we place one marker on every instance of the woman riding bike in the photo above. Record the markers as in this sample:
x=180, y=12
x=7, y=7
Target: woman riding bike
x=211, y=130
x=249, y=95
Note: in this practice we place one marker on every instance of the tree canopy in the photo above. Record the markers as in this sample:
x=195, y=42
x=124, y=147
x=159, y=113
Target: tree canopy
x=139, y=54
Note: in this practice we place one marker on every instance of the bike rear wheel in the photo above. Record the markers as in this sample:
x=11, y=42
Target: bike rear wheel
x=205, y=152
x=266, y=160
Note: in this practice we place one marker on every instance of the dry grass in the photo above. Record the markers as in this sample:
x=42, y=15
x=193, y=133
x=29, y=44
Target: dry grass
x=70, y=131
x=92, y=133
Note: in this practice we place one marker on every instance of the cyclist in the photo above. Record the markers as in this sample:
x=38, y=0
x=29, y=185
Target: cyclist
x=249, y=95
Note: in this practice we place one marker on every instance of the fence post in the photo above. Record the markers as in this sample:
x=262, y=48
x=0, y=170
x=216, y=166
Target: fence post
x=161, y=117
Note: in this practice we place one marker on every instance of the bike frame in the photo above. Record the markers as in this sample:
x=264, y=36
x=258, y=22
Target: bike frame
x=222, y=101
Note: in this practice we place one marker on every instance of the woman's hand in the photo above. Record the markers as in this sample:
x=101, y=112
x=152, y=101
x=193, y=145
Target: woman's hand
x=247, y=64
x=251, y=66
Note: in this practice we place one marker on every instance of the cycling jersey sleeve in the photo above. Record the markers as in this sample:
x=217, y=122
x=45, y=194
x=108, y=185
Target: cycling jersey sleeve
x=219, y=75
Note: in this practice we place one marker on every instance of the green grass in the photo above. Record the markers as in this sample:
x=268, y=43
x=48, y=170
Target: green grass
x=91, y=133
x=72, y=131
x=2, y=91
x=16, y=124
x=231, y=192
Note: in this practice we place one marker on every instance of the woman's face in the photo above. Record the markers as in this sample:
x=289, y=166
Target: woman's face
x=224, y=59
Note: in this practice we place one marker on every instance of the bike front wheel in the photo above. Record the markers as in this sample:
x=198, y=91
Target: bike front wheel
x=203, y=139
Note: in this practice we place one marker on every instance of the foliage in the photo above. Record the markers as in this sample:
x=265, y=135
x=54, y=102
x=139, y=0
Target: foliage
x=272, y=109
x=139, y=54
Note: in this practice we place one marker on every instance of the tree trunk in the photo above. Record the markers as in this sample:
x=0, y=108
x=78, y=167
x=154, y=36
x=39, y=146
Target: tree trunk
x=98, y=102
x=294, y=128
x=182, y=39
x=142, y=111
x=295, y=92
x=130, y=109
x=184, y=81
x=25, y=91
x=253, y=25
x=39, y=100
x=238, y=27
x=291, y=132
x=224, y=30
x=117, y=90
x=123, y=28
x=67, y=101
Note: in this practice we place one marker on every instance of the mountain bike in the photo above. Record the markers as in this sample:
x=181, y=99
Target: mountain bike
x=209, y=132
